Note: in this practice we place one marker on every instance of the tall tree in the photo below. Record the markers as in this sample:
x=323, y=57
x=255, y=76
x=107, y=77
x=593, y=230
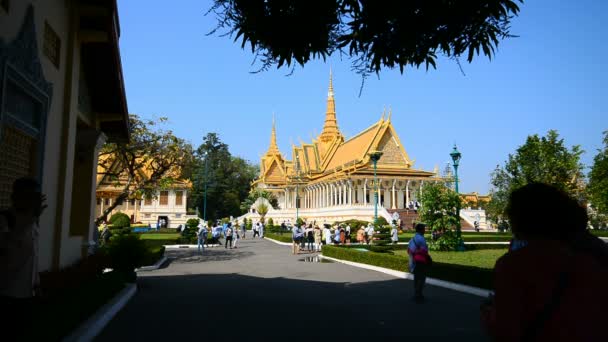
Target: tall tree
x=439, y=207
x=253, y=196
x=598, y=180
x=227, y=179
x=151, y=160
x=541, y=159
x=376, y=34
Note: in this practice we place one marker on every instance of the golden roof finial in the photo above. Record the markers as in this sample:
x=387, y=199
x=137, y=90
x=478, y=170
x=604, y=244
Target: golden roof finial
x=274, y=148
x=390, y=112
x=383, y=112
x=330, y=128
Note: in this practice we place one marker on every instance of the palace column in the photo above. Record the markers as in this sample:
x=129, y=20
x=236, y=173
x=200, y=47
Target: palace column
x=407, y=193
x=342, y=193
x=350, y=192
x=421, y=184
x=285, y=201
x=365, y=192
x=393, y=204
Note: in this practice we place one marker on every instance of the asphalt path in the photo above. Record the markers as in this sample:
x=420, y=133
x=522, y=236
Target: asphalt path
x=261, y=291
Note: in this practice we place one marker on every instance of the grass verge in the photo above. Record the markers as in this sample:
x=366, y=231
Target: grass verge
x=473, y=268
x=279, y=237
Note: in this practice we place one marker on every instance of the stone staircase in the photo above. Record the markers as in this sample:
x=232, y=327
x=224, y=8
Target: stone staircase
x=409, y=216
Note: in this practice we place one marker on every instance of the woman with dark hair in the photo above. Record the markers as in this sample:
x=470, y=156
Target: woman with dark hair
x=420, y=260
x=554, y=287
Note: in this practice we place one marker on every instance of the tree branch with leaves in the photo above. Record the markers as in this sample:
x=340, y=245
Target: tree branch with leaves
x=151, y=160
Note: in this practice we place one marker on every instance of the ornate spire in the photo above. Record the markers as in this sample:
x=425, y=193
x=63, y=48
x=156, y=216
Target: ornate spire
x=274, y=148
x=330, y=128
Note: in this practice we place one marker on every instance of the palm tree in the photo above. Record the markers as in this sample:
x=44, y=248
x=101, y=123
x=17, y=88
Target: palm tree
x=262, y=209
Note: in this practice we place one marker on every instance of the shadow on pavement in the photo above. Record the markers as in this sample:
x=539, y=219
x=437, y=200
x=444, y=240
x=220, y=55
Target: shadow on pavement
x=191, y=255
x=232, y=306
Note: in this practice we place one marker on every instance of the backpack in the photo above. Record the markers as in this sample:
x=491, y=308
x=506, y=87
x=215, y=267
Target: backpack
x=229, y=232
x=310, y=235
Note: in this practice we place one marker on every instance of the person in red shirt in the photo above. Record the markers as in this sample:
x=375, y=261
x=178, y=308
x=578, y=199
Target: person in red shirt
x=553, y=289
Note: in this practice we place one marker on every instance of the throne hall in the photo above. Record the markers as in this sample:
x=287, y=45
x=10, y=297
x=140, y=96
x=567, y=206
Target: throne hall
x=332, y=178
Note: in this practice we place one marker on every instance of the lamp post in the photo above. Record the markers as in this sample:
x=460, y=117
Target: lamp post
x=456, y=161
x=206, y=156
x=375, y=156
x=297, y=178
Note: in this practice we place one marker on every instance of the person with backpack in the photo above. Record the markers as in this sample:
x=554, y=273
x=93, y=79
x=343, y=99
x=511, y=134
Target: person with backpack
x=420, y=261
x=256, y=230
x=310, y=238
x=297, y=236
x=228, y=235
x=201, y=237
x=19, y=234
x=244, y=228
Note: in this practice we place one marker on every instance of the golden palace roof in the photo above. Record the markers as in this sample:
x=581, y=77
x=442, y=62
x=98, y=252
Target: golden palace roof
x=331, y=156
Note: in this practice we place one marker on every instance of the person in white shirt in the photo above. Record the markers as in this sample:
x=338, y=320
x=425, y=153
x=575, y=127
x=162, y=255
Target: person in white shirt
x=394, y=235
x=236, y=234
x=202, y=237
x=19, y=233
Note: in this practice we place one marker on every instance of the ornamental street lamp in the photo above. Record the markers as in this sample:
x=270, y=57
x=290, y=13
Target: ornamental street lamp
x=375, y=156
x=205, y=155
x=297, y=188
x=456, y=161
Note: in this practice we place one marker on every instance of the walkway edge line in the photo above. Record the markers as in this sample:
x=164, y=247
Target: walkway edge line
x=189, y=246
x=156, y=266
x=406, y=275
x=88, y=330
x=279, y=242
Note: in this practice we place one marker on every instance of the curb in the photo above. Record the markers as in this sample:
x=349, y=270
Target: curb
x=279, y=242
x=156, y=266
x=88, y=330
x=189, y=246
x=406, y=275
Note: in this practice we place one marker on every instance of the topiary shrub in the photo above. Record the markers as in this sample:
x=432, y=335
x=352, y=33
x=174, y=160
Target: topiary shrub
x=126, y=252
x=120, y=220
x=448, y=241
x=189, y=233
x=380, y=222
x=300, y=221
x=249, y=224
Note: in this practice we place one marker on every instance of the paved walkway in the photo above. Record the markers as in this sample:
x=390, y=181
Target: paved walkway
x=260, y=290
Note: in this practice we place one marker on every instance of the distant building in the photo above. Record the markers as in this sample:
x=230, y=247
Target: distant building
x=167, y=207
x=62, y=96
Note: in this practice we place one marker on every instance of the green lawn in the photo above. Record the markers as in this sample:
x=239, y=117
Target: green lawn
x=485, y=258
x=159, y=236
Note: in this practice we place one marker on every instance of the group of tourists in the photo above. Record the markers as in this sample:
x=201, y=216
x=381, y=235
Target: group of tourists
x=231, y=232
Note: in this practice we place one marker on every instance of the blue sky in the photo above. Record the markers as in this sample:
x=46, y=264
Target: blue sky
x=553, y=76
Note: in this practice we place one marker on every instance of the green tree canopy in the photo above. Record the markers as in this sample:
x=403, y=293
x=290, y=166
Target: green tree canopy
x=541, y=159
x=598, y=180
x=253, y=196
x=151, y=160
x=375, y=34
x=439, y=207
x=228, y=179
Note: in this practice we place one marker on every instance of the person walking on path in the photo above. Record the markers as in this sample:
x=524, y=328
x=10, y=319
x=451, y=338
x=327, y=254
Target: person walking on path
x=256, y=230
x=317, y=234
x=297, y=235
x=394, y=235
x=236, y=234
x=19, y=234
x=262, y=230
x=201, y=237
x=327, y=233
x=342, y=235
x=310, y=238
x=228, y=234
x=420, y=261
x=244, y=228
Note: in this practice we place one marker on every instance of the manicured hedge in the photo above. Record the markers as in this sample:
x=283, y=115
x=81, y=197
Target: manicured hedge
x=467, y=275
x=278, y=237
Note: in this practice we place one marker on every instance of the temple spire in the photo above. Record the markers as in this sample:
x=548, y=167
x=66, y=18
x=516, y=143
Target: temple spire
x=274, y=148
x=330, y=128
